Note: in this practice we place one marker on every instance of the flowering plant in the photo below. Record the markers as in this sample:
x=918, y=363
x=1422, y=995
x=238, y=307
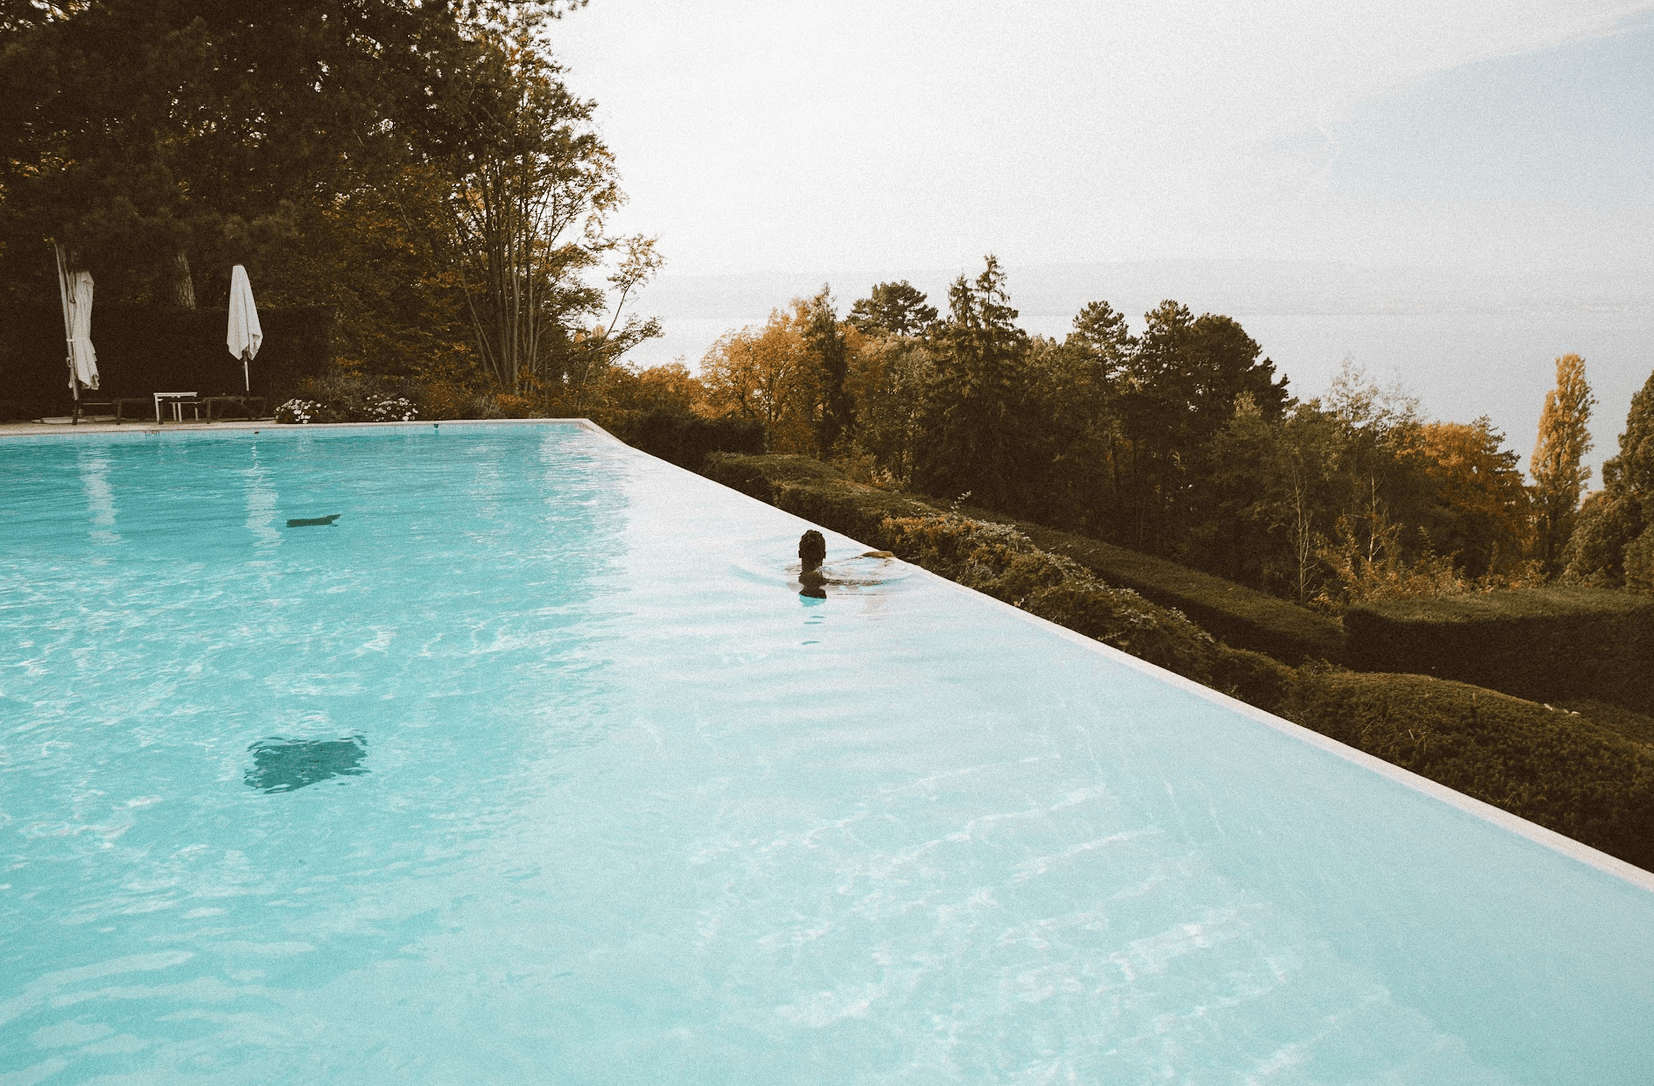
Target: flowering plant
x=298, y=411
x=396, y=409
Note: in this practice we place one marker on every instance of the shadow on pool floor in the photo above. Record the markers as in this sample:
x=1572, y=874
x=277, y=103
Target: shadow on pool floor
x=282, y=765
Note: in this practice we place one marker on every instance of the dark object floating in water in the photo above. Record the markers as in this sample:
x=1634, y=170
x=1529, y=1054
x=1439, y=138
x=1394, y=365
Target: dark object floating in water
x=308, y=522
x=282, y=765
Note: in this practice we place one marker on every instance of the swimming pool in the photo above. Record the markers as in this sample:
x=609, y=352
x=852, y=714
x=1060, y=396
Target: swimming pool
x=533, y=766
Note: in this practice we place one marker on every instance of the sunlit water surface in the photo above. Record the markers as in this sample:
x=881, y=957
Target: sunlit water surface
x=534, y=767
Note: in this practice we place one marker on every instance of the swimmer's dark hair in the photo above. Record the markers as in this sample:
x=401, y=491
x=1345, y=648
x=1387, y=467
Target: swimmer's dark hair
x=812, y=549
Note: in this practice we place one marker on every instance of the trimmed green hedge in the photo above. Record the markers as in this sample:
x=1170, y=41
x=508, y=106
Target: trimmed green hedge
x=684, y=439
x=813, y=490
x=1001, y=562
x=1546, y=765
x=1547, y=644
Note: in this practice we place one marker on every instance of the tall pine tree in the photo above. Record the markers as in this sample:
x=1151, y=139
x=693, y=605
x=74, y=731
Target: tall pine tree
x=1613, y=544
x=970, y=416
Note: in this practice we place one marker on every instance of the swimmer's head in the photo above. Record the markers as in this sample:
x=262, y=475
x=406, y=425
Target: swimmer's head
x=812, y=549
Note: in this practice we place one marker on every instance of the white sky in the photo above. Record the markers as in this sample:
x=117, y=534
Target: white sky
x=767, y=135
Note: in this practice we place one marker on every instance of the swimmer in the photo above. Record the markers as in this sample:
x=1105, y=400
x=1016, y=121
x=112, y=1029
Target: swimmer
x=812, y=551
x=812, y=579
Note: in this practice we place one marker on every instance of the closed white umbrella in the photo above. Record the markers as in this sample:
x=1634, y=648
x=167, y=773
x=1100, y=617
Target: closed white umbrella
x=245, y=335
x=85, y=356
x=75, y=292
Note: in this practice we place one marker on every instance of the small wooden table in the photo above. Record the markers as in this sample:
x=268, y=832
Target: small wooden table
x=179, y=401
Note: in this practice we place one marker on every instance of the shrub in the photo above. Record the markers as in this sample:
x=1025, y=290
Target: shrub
x=992, y=558
x=1248, y=619
x=299, y=412
x=346, y=399
x=812, y=490
x=395, y=409
x=1252, y=677
x=344, y=396
x=1001, y=562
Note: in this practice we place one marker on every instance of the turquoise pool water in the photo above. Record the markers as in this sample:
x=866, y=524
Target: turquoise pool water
x=534, y=767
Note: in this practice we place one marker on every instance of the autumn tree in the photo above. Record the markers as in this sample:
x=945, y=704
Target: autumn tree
x=888, y=378
x=143, y=133
x=1558, y=469
x=667, y=388
x=767, y=374
x=1477, y=507
x=1349, y=496
x=1273, y=498
x=527, y=185
x=164, y=142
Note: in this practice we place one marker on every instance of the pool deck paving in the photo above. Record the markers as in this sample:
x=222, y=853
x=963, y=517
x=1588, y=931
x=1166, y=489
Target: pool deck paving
x=107, y=425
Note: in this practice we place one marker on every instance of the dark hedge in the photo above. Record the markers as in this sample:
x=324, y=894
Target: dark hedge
x=1592, y=781
x=813, y=490
x=1005, y=563
x=1546, y=644
x=684, y=439
x=1563, y=770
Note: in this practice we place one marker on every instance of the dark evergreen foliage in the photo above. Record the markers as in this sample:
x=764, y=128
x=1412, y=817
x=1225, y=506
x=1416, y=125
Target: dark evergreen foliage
x=895, y=309
x=971, y=425
x=1613, y=542
x=142, y=349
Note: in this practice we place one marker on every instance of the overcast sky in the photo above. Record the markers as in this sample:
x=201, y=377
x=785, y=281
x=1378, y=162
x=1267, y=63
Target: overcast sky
x=764, y=135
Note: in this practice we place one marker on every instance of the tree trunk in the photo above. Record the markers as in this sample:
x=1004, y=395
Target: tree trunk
x=183, y=284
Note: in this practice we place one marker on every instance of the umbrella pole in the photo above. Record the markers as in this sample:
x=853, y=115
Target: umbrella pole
x=68, y=330
x=246, y=380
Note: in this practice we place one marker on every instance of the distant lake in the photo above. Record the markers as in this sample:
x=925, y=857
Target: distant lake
x=1469, y=357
